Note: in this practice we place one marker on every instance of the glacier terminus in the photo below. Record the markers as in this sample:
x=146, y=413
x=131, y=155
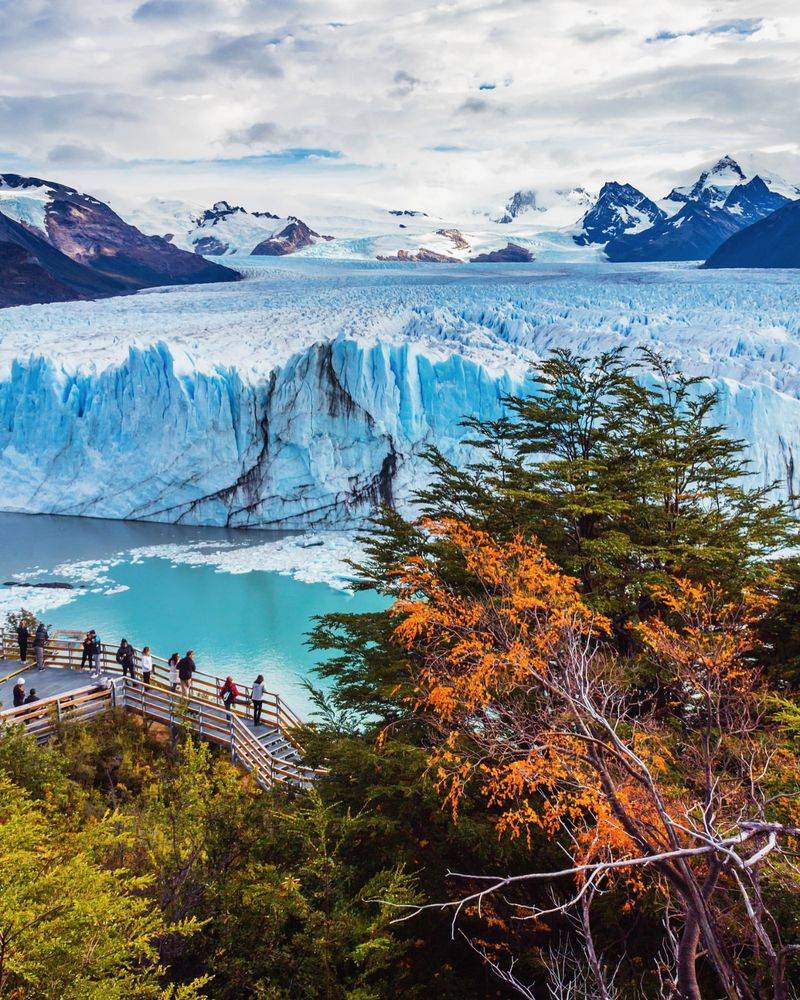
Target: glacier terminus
x=306, y=394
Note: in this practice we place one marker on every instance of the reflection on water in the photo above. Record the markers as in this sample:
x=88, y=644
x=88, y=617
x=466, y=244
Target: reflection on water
x=242, y=624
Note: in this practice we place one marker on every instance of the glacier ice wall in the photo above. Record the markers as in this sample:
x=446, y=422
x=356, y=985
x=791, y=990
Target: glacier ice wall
x=330, y=434
x=306, y=394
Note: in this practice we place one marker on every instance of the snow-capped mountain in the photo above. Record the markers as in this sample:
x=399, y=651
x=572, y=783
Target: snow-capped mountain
x=620, y=208
x=697, y=218
x=226, y=229
x=88, y=232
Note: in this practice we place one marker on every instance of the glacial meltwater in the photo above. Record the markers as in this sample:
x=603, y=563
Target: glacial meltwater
x=243, y=600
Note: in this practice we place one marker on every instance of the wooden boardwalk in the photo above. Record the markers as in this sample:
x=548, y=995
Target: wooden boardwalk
x=68, y=693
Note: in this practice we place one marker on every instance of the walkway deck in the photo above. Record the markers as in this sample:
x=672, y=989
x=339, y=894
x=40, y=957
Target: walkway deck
x=67, y=693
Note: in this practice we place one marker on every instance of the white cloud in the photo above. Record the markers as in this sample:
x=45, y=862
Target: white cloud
x=169, y=96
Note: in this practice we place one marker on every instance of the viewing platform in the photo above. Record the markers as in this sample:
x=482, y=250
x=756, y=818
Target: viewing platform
x=68, y=693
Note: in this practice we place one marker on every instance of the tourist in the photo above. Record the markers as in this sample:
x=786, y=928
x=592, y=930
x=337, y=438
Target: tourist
x=257, y=697
x=126, y=659
x=86, y=655
x=186, y=667
x=19, y=693
x=172, y=663
x=39, y=642
x=22, y=641
x=33, y=696
x=97, y=649
x=147, y=664
x=229, y=693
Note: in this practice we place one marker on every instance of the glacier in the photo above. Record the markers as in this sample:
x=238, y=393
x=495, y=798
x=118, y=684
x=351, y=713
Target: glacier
x=306, y=394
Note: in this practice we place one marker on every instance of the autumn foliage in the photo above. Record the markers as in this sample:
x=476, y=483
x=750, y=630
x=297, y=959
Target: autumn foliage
x=685, y=793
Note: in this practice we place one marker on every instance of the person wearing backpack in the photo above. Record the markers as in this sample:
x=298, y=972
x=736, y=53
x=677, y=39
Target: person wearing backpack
x=125, y=658
x=39, y=642
x=229, y=693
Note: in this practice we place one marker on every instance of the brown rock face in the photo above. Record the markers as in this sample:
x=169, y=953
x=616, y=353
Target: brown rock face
x=423, y=255
x=512, y=253
x=292, y=238
x=456, y=237
x=31, y=271
x=90, y=233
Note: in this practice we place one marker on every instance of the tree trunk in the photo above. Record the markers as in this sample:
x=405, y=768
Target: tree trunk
x=687, y=961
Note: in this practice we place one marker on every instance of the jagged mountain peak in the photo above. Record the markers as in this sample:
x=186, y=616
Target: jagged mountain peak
x=619, y=209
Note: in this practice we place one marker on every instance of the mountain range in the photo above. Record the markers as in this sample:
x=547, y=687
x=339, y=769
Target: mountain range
x=57, y=244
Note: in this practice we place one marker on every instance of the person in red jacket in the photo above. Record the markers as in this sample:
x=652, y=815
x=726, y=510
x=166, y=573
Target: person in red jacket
x=229, y=693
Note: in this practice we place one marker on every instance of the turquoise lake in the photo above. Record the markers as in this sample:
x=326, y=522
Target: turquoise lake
x=241, y=623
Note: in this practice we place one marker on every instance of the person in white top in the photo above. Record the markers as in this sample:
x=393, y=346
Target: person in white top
x=257, y=697
x=146, y=659
x=173, y=671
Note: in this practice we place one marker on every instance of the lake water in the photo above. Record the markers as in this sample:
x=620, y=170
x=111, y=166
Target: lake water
x=232, y=596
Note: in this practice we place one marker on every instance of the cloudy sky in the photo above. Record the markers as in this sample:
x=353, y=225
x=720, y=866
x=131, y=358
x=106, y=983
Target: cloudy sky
x=436, y=104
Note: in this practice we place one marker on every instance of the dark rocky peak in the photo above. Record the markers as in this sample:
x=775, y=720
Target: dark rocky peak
x=265, y=215
x=753, y=201
x=519, y=202
x=618, y=209
x=219, y=210
x=290, y=239
x=407, y=211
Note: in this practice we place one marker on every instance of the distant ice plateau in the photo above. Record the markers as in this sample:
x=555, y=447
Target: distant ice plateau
x=306, y=394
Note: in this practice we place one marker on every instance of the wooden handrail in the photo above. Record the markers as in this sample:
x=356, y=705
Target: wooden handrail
x=64, y=649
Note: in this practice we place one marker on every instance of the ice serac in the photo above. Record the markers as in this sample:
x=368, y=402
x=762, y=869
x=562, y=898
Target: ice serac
x=336, y=431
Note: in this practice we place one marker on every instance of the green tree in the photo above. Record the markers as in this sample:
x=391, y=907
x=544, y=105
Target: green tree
x=71, y=926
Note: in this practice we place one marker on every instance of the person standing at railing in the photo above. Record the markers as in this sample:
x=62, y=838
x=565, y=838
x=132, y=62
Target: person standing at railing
x=257, y=698
x=22, y=641
x=86, y=654
x=39, y=642
x=172, y=663
x=186, y=667
x=33, y=696
x=229, y=693
x=125, y=658
x=97, y=649
x=146, y=661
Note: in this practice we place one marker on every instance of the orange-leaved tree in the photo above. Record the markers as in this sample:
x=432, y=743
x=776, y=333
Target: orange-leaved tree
x=688, y=799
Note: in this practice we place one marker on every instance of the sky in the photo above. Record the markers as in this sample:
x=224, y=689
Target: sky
x=407, y=103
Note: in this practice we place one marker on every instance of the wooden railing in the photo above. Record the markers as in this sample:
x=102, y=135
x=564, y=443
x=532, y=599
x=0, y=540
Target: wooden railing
x=41, y=718
x=202, y=711
x=65, y=649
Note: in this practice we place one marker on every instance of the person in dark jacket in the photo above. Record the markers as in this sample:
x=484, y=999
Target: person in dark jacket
x=22, y=641
x=86, y=655
x=126, y=659
x=229, y=693
x=19, y=693
x=39, y=642
x=186, y=667
x=33, y=696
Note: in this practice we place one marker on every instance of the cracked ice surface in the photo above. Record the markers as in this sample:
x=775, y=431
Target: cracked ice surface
x=305, y=394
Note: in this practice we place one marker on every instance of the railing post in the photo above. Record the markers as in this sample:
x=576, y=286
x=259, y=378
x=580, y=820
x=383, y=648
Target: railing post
x=232, y=728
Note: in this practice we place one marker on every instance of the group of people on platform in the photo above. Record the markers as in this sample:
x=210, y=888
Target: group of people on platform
x=181, y=668
x=40, y=638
